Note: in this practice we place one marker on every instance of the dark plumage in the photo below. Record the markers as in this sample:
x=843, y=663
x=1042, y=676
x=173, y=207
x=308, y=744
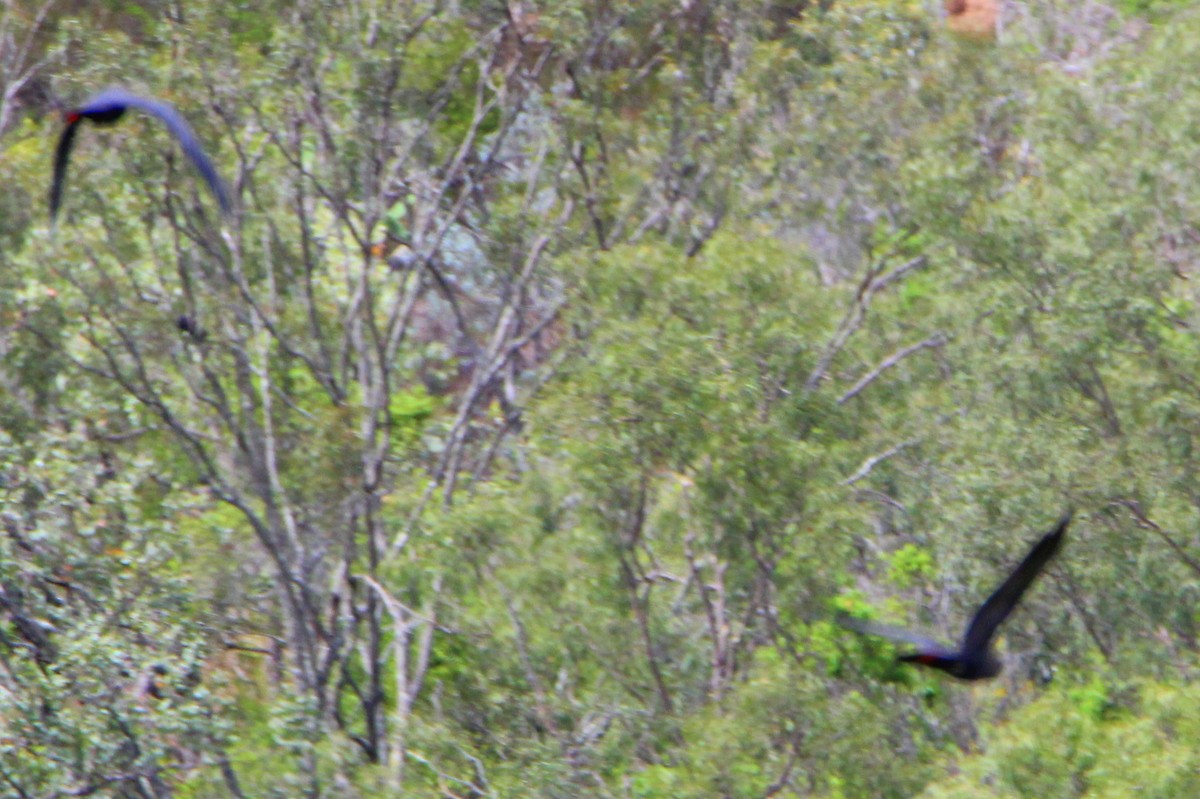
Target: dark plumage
x=105, y=109
x=187, y=324
x=975, y=659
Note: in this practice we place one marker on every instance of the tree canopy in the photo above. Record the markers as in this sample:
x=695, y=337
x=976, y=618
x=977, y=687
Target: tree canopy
x=566, y=369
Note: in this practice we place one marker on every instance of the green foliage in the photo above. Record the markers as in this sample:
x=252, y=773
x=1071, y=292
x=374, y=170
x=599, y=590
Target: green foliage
x=1049, y=750
x=910, y=564
x=123, y=688
x=446, y=51
x=1093, y=698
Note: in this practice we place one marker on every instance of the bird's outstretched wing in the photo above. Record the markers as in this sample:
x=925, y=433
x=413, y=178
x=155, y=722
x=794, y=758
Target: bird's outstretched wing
x=922, y=642
x=1001, y=603
x=107, y=106
x=62, y=154
x=183, y=132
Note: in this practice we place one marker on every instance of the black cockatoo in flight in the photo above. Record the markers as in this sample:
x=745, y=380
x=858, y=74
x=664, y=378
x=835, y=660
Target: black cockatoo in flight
x=975, y=659
x=109, y=106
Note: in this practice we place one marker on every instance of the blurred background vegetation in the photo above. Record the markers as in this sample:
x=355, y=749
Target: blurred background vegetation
x=568, y=367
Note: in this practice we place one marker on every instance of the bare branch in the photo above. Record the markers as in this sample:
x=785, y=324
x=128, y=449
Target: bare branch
x=937, y=340
x=873, y=281
x=871, y=462
x=1135, y=509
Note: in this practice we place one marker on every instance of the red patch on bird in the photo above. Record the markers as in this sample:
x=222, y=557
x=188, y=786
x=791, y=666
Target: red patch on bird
x=927, y=660
x=73, y=117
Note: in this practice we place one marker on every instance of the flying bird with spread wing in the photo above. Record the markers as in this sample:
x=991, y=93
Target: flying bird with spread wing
x=106, y=108
x=975, y=659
